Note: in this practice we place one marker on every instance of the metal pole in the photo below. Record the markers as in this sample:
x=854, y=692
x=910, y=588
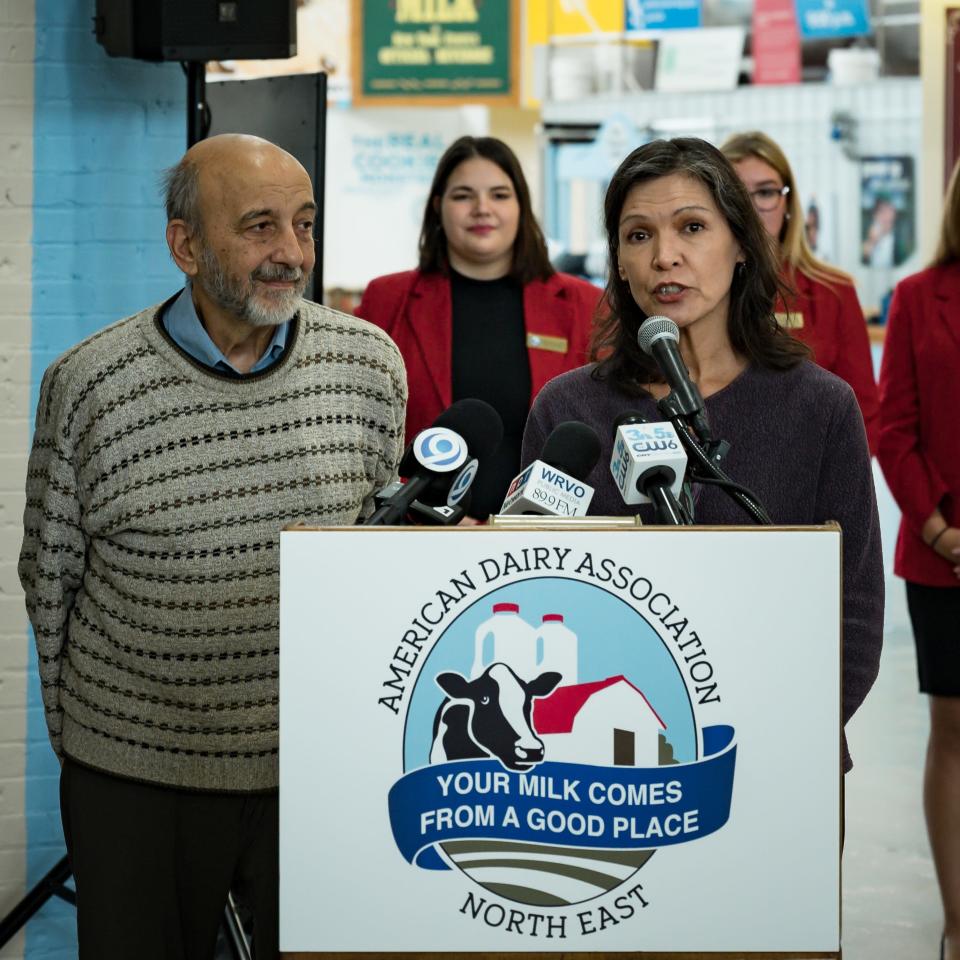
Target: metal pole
x=52, y=885
x=234, y=929
x=320, y=184
x=196, y=102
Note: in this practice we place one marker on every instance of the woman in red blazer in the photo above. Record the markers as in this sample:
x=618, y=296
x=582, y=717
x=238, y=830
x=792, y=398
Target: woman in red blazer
x=825, y=312
x=919, y=452
x=484, y=314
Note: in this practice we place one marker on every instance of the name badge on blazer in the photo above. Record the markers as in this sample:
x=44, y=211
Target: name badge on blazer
x=789, y=321
x=540, y=341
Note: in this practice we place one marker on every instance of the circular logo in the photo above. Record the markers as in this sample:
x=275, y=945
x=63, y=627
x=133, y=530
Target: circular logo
x=590, y=711
x=463, y=483
x=440, y=449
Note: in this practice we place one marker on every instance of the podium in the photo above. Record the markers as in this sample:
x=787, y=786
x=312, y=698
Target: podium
x=659, y=778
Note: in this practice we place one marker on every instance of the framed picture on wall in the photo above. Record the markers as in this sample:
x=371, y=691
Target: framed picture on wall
x=951, y=128
x=887, y=211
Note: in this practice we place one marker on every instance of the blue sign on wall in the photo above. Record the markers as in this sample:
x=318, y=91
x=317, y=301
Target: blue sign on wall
x=832, y=18
x=663, y=14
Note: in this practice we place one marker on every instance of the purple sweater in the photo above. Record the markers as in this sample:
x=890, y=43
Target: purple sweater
x=797, y=441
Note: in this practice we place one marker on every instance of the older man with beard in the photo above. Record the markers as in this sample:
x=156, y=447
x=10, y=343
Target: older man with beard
x=170, y=449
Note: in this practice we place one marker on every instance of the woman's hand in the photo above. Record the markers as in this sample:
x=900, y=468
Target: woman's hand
x=942, y=539
x=948, y=546
x=951, y=551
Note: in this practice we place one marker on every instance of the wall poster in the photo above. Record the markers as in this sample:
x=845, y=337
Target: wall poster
x=887, y=211
x=435, y=51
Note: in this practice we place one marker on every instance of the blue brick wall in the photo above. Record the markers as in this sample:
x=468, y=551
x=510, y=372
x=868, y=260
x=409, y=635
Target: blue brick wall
x=103, y=130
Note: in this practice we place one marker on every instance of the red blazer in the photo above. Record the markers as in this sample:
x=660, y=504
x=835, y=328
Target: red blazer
x=919, y=413
x=415, y=310
x=834, y=328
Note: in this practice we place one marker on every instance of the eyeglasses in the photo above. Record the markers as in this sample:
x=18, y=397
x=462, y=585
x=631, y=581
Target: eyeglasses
x=768, y=198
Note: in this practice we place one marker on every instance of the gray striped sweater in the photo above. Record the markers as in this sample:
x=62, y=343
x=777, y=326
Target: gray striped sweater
x=156, y=491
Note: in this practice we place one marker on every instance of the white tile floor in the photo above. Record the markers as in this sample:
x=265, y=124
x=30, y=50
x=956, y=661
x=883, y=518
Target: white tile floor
x=891, y=908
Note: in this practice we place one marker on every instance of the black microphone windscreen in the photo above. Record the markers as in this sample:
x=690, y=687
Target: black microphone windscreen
x=477, y=422
x=572, y=447
x=474, y=420
x=408, y=463
x=627, y=417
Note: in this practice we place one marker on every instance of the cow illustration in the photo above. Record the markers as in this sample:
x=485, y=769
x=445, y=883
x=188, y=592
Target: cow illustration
x=489, y=717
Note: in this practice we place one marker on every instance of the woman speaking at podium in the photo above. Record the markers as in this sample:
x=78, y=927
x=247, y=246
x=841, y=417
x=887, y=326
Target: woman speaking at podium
x=685, y=242
x=485, y=314
x=920, y=456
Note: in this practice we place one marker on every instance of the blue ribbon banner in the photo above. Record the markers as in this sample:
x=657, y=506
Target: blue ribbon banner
x=567, y=804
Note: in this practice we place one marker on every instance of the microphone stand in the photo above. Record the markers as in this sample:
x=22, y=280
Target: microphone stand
x=655, y=483
x=705, y=462
x=392, y=510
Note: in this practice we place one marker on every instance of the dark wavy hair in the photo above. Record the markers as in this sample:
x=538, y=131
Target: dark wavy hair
x=754, y=331
x=530, y=260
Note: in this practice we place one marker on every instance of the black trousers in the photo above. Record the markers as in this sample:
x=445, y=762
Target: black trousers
x=153, y=866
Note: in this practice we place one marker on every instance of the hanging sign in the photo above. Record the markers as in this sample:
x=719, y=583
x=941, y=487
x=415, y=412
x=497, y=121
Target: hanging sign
x=820, y=19
x=435, y=51
x=704, y=59
x=663, y=14
x=776, y=42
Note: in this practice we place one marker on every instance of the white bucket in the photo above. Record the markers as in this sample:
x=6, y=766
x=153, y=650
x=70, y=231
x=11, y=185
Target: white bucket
x=853, y=65
x=571, y=74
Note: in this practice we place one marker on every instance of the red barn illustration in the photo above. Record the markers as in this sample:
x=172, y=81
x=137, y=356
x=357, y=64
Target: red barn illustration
x=606, y=722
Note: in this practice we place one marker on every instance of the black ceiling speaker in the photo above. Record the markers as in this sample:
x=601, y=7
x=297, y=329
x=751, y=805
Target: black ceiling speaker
x=197, y=30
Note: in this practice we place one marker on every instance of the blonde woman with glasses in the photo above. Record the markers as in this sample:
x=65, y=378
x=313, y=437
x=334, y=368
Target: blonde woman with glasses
x=825, y=312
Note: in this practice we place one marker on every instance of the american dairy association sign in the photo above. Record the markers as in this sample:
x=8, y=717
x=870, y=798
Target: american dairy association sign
x=539, y=740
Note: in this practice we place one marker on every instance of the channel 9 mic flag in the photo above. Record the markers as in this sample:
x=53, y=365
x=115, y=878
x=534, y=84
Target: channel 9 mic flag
x=574, y=739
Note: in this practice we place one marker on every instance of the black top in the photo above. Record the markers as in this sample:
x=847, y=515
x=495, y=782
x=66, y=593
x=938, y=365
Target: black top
x=490, y=362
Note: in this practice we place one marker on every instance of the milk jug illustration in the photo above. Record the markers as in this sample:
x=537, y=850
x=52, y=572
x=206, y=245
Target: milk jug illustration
x=556, y=647
x=506, y=638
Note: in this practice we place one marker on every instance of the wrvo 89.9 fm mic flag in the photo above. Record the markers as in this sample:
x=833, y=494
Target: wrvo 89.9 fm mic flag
x=440, y=465
x=553, y=485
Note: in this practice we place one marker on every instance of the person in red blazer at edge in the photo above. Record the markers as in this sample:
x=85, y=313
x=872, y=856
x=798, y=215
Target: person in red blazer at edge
x=825, y=312
x=484, y=314
x=919, y=452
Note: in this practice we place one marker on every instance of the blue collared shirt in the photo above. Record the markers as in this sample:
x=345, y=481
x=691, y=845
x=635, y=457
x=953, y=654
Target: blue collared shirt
x=180, y=320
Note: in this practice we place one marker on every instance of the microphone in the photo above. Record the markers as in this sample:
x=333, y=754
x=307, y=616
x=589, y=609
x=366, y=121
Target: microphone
x=659, y=337
x=421, y=514
x=553, y=485
x=440, y=465
x=648, y=465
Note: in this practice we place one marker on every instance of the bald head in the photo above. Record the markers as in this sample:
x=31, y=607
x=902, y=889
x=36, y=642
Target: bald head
x=231, y=146
x=229, y=163
x=240, y=225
